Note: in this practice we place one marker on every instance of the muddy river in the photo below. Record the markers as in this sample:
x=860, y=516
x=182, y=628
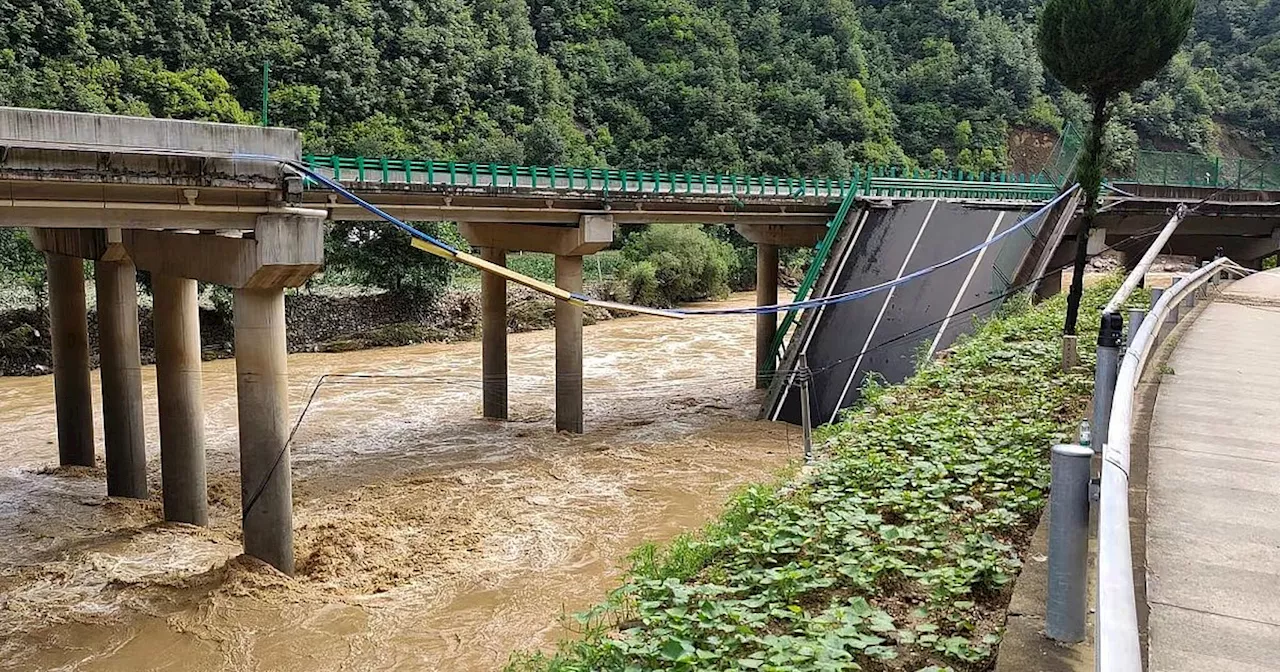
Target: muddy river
x=427, y=538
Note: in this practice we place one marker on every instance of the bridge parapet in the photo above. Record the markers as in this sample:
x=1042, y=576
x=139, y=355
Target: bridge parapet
x=85, y=170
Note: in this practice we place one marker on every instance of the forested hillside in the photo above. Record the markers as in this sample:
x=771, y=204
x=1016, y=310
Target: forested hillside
x=765, y=86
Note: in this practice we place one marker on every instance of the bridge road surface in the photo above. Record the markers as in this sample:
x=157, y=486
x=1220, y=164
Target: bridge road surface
x=1213, y=530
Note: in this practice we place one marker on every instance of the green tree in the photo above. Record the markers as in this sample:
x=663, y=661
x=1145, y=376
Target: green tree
x=379, y=255
x=1101, y=48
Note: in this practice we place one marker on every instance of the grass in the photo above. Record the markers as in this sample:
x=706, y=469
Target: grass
x=898, y=551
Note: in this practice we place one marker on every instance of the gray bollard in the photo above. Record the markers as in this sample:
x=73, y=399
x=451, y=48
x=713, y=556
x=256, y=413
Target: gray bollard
x=1136, y=317
x=1110, y=334
x=1163, y=326
x=1068, y=543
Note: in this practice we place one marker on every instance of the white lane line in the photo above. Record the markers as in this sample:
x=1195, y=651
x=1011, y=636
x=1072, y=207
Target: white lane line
x=883, y=307
x=963, y=288
x=817, y=319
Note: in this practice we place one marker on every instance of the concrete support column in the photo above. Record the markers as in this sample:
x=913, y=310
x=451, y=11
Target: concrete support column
x=266, y=490
x=569, y=347
x=121, y=369
x=493, y=329
x=69, y=333
x=766, y=325
x=176, y=323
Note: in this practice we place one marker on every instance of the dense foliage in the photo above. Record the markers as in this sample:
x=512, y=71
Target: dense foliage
x=756, y=86
x=668, y=264
x=901, y=547
x=765, y=86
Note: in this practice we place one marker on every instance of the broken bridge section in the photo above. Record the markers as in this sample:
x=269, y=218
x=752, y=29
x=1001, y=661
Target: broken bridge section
x=888, y=332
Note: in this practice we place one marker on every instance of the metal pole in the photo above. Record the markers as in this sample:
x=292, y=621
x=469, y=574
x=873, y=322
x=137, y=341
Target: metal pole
x=1110, y=335
x=805, y=418
x=1140, y=269
x=266, y=89
x=1068, y=543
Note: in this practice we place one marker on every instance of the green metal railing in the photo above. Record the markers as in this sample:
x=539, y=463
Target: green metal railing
x=872, y=180
x=810, y=278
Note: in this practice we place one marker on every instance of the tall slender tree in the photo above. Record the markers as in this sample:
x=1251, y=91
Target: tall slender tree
x=1101, y=48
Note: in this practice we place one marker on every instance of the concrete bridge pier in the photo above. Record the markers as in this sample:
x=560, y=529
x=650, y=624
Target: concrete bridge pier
x=766, y=325
x=768, y=238
x=262, y=405
x=180, y=397
x=69, y=334
x=569, y=244
x=281, y=250
x=493, y=332
x=121, y=371
x=569, y=347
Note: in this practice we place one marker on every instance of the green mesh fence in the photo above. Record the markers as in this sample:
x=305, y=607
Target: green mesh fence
x=1194, y=170
x=1062, y=163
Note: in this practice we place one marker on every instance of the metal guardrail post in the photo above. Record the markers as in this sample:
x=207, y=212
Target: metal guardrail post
x=1110, y=337
x=1156, y=293
x=805, y=419
x=1071, y=468
x=1136, y=317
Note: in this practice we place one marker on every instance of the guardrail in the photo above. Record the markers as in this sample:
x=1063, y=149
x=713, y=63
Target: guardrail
x=1117, y=639
x=885, y=181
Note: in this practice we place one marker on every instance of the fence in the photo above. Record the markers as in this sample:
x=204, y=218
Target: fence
x=888, y=181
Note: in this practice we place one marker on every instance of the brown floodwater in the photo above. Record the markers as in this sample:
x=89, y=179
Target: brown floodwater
x=426, y=537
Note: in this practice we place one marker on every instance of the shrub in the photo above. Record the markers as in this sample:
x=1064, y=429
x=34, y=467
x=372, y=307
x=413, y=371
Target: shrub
x=674, y=263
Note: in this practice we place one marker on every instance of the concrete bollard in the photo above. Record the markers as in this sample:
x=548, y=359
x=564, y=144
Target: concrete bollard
x=1068, y=543
x=1110, y=335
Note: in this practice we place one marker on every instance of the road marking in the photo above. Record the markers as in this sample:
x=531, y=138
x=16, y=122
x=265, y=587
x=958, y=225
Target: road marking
x=808, y=337
x=963, y=288
x=883, y=307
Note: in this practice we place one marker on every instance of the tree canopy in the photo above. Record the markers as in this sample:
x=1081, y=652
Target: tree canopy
x=759, y=86
x=1103, y=47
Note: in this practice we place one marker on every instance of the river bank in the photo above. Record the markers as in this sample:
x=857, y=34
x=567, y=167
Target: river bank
x=427, y=538
x=897, y=551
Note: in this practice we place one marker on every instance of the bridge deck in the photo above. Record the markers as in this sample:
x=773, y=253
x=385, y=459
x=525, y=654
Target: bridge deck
x=1213, y=534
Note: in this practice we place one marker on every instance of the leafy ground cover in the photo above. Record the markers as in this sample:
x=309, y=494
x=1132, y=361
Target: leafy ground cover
x=897, y=552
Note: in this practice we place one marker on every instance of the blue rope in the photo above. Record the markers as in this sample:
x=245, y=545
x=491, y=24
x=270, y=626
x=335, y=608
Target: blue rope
x=867, y=291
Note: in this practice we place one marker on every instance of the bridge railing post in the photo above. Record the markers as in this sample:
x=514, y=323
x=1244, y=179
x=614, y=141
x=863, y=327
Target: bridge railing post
x=1070, y=470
